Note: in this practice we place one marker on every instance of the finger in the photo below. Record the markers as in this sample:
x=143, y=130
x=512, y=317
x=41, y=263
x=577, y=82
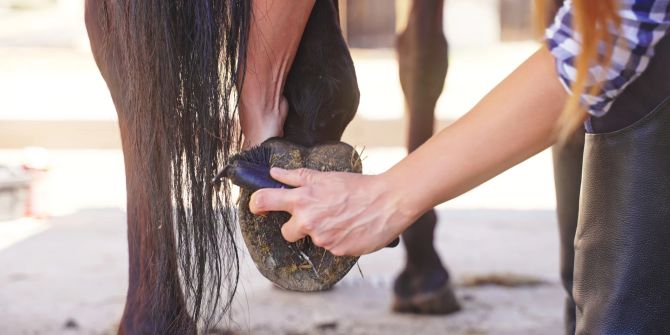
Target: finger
x=292, y=231
x=341, y=247
x=350, y=247
x=272, y=200
x=343, y=250
x=297, y=177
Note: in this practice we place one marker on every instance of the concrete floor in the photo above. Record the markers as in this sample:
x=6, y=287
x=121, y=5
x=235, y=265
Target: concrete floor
x=70, y=278
x=72, y=268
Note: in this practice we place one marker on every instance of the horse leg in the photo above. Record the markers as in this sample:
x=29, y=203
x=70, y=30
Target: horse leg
x=176, y=129
x=275, y=30
x=423, y=286
x=154, y=303
x=321, y=87
x=154, y=300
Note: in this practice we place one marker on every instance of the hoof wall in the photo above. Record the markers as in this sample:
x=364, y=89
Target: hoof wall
x=440, y=302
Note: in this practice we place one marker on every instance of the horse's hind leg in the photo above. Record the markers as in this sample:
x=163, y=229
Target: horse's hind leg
x=154, y=300
x=423, y=286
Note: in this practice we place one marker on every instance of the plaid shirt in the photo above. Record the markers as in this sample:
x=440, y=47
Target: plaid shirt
x=643, y=24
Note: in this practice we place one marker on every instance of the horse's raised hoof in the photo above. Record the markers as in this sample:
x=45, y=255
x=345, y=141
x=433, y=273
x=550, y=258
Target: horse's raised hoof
x=299, y=266
x=429, y=299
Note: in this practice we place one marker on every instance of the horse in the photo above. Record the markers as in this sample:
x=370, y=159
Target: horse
x=173, y=69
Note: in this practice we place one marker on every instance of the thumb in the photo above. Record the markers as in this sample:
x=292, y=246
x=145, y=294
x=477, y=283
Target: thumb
x=296, y=178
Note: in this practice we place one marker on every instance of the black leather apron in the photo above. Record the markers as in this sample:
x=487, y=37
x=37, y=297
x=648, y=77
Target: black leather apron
x=622, y=243
x=621, y=280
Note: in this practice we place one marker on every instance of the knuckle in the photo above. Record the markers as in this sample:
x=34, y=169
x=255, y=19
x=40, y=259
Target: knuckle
x=320, y=241
x=286, y=232
x=307, y=225
x=304, y=174
x=305, y=196
x=302, y=201
x=317, y=241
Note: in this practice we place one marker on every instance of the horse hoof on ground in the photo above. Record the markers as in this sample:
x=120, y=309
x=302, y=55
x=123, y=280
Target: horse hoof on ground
x=440, y=302
x=436, y=300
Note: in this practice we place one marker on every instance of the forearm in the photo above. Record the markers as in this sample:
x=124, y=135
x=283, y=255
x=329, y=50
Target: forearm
x=276, y=29
x=353, y=214
x=516, y=120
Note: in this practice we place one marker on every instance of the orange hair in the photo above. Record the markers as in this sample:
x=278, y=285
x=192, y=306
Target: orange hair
x=593, y=20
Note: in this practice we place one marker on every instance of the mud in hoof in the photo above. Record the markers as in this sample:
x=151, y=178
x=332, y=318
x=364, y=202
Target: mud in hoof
x=440, y=302
x=299, y=266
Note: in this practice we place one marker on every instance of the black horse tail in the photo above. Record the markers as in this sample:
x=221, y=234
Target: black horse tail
x=172, y=68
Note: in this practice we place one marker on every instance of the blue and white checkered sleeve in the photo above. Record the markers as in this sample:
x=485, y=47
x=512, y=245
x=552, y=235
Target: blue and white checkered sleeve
x=643, y=24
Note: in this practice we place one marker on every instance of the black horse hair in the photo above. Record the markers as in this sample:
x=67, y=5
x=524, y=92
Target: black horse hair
x=176, y=69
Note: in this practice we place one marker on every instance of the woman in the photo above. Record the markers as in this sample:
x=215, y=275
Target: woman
x=610, y=73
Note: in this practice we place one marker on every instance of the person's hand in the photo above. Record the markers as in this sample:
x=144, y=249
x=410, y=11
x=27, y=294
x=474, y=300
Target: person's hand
x=345, y=213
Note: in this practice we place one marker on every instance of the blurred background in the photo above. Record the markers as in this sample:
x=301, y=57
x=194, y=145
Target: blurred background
x=63, y=257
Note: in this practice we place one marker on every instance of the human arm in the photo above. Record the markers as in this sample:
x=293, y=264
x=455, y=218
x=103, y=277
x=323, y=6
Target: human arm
x=355, y=214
